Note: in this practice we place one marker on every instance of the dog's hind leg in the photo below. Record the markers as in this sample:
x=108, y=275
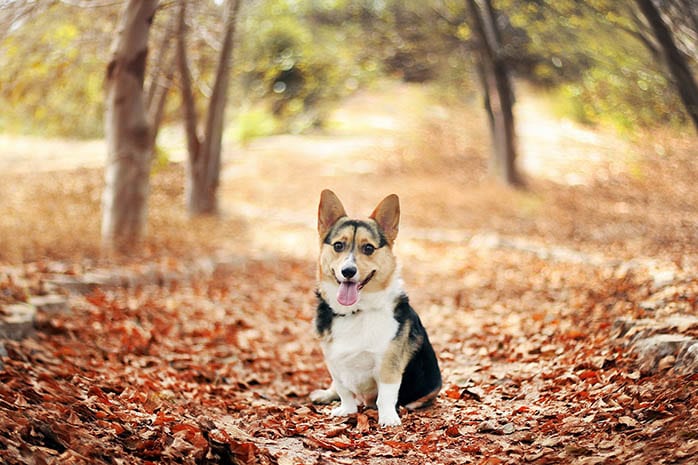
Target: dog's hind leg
x=324, y=396
x=423, y=401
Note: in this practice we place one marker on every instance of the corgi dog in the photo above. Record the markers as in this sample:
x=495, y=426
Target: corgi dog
x=374, y=345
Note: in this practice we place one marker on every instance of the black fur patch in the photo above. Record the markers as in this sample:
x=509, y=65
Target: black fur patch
x=422, y=375
x=324, y=316
x=373, y=229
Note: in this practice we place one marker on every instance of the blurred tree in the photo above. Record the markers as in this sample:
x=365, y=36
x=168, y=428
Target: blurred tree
x=52, y=66
x=498, y=94
x=129, y=138
x=204, y=161
x=600, y=61
x=17, y=11
x=298, y=59
x=161, y=75
x=406, y=39
x=675, y=60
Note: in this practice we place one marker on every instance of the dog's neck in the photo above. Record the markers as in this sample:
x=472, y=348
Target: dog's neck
x=341, y=315
x=382, y=300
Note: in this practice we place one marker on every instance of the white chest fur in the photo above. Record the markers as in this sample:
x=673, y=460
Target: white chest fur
x=357, y=343
x=359, y=338
x=354, y=352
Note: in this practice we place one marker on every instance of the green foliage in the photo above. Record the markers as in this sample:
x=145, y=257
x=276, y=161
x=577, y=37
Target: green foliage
x=589, y=54
x=161, y=159
x=51, y=76
x=253, y=123
x=296, y=69
x=294, y=60
x=624, y=98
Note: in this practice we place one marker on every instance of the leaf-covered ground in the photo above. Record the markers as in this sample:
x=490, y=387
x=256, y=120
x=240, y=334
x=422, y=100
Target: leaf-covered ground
x=526, y=297
x=217, y=370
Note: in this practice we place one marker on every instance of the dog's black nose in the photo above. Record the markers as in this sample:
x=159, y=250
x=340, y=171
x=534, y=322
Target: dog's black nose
x=349, y=271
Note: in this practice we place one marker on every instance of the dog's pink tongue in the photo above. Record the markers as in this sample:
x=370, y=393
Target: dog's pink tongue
x=348, y=293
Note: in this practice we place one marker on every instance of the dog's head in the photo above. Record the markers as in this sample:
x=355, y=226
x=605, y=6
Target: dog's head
x=356, y=254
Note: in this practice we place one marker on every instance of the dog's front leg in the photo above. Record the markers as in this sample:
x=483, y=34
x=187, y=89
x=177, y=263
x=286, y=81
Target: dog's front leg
x=389, y=380
x=348, y=403
x=387, y=404
x=392, y=365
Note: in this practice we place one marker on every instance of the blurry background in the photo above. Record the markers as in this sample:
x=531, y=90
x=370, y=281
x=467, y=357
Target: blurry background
x=295, y=59
x=367, y=98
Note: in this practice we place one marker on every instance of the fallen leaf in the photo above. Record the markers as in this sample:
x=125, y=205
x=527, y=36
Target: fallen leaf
x=362, y=425
x=453, y=431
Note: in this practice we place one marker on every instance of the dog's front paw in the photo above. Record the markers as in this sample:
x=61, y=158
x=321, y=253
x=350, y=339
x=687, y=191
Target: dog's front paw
x=323, y=396
x=389, y=418
x=344, y=410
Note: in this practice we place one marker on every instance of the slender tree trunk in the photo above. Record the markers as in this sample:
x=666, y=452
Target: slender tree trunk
x=498, y=95
x=127, y=130
x=159, y=62
x=204, y=162
x=162, y=73
x=188, y=103
x=675, y=61
x=156, y=108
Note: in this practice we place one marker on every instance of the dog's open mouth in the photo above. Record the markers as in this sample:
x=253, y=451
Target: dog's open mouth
x=348, y=293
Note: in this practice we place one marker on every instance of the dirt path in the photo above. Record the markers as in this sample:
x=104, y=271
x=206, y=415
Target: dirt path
x=274, y=181
x=563, y=151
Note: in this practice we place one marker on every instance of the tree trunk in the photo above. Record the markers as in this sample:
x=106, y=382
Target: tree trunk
x=128, y=134
x=156, y=107
x=498, y=95
x=188, y=103
x=204, y=162
x=162, y=69
x=675, y=61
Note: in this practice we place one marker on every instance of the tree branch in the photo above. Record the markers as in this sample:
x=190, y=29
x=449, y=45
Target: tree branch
x=190, y=116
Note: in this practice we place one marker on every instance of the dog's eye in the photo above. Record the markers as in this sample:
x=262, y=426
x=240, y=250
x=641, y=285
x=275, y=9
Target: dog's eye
x=367, y=249
x=338, y=246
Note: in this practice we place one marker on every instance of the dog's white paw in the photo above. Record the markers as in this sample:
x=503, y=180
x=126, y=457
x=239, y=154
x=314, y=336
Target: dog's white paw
x=344, y=410
x=389, y=418
x=323, y=396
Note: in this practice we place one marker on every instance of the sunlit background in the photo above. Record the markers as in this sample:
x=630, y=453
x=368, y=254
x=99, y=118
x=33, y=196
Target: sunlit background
x=295, y=59
x=365, y=97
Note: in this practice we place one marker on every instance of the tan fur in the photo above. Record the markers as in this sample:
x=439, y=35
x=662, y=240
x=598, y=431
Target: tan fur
x=329, y=211
x=397, y=356
x=387, y=215
x=382, y=261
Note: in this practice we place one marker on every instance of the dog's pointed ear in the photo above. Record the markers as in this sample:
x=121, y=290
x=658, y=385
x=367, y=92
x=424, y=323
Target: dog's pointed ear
x=329, y=211
x=387, y=215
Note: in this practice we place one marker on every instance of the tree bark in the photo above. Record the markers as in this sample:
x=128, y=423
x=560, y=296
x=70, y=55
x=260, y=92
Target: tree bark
x=188, y=103
x=204, y=161
x=498, y=94
x=674, y=59
x=156, y=107
x=162, y=72
x=128, y=134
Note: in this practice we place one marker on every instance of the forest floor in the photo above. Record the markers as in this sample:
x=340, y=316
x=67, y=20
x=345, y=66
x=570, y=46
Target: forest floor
x=564, y=315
